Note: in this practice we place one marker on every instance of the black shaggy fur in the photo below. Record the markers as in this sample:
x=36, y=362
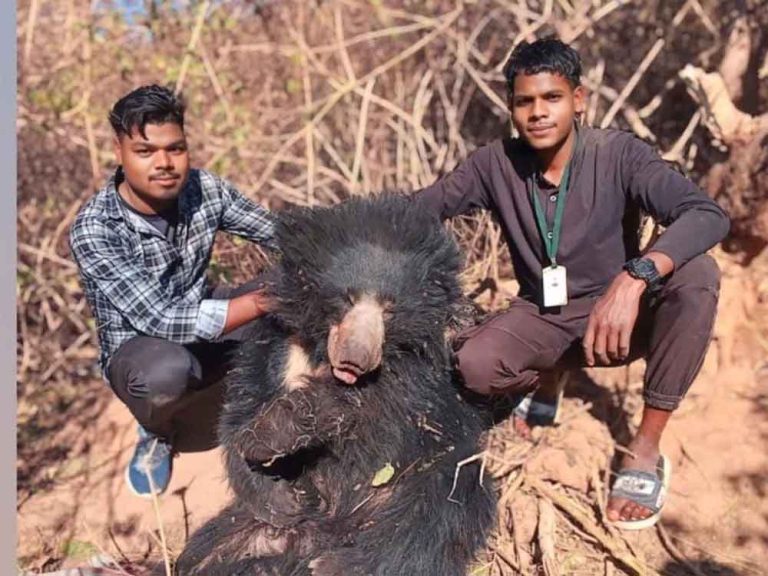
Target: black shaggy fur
x=301, y=463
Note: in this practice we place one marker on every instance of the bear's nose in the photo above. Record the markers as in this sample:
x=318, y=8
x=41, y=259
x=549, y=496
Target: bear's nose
x=355, y=344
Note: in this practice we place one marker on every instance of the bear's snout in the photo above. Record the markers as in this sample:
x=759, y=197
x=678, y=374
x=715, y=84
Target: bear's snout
x=355, y=344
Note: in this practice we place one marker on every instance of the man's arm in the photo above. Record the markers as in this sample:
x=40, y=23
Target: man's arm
x=695, y=223
x=244, y=217
x=242, y=309
x=142, y=300
x=465, y=188
x=610, y=325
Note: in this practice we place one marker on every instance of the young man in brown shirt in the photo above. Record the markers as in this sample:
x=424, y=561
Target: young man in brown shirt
x=568, y=199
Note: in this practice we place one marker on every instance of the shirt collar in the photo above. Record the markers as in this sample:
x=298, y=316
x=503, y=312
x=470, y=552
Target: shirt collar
x=112, y=207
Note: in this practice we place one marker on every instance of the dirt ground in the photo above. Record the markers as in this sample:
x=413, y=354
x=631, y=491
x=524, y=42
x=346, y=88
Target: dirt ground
x=715, y=522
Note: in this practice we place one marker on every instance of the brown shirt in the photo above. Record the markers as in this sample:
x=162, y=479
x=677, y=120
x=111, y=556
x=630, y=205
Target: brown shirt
x=614, y=175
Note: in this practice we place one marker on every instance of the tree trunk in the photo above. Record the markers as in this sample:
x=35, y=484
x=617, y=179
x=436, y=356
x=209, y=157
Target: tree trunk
x=739, y=184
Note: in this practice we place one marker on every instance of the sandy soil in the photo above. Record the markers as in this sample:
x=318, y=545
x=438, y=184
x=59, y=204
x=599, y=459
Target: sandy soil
x=716, y=516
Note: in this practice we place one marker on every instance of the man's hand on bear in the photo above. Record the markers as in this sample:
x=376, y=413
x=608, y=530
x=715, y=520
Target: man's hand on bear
x=249, y=306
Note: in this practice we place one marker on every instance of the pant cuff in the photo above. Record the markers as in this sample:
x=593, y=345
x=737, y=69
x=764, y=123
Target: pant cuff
x=661, y=401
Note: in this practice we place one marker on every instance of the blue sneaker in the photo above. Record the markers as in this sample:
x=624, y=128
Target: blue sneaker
x=150, y=467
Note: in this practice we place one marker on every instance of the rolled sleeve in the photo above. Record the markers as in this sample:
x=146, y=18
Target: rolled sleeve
x=211, y=318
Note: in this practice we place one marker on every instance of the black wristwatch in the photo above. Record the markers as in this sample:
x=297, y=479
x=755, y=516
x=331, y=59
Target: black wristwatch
x=644, y=269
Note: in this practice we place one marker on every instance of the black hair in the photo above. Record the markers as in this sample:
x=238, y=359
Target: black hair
x=151, y=104
x=544, y=55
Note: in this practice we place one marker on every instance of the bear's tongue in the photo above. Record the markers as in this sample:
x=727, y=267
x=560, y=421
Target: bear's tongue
x=345, y=375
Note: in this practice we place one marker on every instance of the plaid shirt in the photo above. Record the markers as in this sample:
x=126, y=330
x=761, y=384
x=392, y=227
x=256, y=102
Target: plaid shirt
x=138, y=283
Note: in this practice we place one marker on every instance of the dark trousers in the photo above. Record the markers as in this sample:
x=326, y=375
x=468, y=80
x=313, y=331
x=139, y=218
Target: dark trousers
x=174, y=390
x=506, y=353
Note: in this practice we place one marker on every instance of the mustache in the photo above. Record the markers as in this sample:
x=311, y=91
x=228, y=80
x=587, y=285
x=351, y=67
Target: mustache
x=164, y=175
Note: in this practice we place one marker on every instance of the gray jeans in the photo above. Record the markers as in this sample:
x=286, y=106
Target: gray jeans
x=175, y=390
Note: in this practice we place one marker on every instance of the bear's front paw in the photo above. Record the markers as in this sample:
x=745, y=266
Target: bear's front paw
x=266, y=456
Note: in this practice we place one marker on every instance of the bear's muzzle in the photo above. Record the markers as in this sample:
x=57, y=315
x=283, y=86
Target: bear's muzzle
x=355, y=344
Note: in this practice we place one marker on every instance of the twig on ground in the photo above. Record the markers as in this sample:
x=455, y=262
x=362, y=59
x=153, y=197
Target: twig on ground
x=158, y=516
x=578, y=531
x=103, y=552
x=459, y=465
x=119, y=549
x=509, y=561
x=608, y=542
x=546, y=533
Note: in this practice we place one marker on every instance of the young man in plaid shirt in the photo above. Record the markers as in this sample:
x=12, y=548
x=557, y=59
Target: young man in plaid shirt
x=142, y=245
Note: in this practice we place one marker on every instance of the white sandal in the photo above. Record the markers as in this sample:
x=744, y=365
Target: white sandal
x=645, y=489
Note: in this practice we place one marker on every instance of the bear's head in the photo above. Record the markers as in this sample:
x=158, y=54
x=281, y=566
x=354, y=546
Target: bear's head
x=364, y=280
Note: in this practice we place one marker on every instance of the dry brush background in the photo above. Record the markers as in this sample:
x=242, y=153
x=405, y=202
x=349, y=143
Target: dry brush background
x=310, y=102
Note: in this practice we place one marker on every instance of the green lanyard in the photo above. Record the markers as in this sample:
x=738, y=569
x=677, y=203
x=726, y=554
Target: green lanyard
x=552, y=237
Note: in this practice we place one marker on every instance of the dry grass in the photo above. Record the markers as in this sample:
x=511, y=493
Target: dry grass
x=306, y=103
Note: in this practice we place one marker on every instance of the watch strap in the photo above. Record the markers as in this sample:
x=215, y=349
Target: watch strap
x=645, y=269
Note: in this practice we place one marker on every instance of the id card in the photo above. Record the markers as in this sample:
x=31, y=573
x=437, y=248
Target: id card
x=555, y=287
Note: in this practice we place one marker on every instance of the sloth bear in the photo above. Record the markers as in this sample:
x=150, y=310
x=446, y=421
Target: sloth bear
x=343, y=429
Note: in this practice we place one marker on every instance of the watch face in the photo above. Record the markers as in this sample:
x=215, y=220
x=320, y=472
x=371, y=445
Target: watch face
x=642, y=269
x=645, y=267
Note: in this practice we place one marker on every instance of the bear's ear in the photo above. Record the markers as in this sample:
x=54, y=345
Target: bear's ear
x=303, y=239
